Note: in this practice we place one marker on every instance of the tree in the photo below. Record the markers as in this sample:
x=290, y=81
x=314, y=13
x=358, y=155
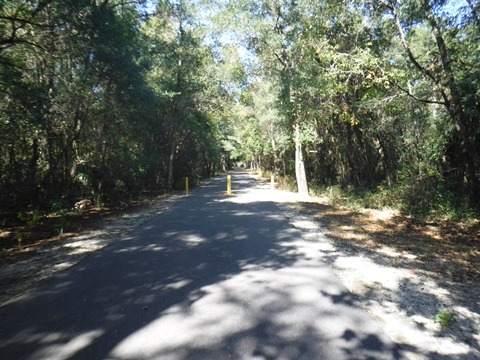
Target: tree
x=442, y=70
x=270, y=28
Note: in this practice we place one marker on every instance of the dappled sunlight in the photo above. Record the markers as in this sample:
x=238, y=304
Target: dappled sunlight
x=419, y=329
x=65, y=350
x=442, y=250
x=279, y=302
x=79, y=247
x=243, y=213
x=204, y=324
x=255, y=195
x=398, y=270
x=155, y=247
x=246, y=190
x=177, y=284
x=210, y=278
x=192, y=239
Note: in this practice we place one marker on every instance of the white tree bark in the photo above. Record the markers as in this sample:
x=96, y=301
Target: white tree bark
x=300, y=173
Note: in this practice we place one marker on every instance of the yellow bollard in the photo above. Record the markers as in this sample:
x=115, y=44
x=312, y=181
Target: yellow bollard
x=186, y=185
x=229, y=184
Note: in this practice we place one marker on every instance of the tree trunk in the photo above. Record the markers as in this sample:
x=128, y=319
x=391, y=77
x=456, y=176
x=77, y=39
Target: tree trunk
x=448, y=88
x=170, y=166
x=300, y=173
x=456, y=112
x=274, y=149
x=455, y=109
x=32, y=173
x=368, y=166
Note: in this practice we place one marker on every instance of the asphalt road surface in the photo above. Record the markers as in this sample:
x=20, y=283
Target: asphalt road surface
x=214, y=277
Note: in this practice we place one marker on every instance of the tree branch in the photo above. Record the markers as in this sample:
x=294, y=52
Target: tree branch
x=475, y=16
x=7, y=43
x=282, y=61
x=22, y=21
x=413, y=96
x=403, y=39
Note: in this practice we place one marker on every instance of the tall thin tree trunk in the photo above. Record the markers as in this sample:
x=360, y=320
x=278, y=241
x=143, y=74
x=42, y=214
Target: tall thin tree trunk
x=170, y=166
x=274, y=149
x=456, y=111
x=33, y=186
x=300, y=164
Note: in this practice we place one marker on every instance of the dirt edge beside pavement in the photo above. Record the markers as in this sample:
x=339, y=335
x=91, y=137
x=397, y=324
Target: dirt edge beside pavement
x=18, y=277
x=404, y=295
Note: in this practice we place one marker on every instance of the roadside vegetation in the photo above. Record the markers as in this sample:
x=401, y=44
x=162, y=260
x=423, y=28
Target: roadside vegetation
x=447, y=246
x=449, y=249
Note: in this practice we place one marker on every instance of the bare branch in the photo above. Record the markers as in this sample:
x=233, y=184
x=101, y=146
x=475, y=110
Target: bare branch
x=474, y=12
x=7, y=43
x=403, y=39
x=282, y=61
x=415, y=97
x=23, y=21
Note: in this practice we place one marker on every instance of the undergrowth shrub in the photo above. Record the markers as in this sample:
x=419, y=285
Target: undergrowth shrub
x=429, y=197
x=425, y=197
x=286, y=182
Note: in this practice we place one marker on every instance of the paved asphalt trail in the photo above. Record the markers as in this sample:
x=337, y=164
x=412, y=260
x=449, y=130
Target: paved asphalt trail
x=214, y=277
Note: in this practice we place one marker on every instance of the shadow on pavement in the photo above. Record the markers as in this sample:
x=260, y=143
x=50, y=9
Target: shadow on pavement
x=214, y=277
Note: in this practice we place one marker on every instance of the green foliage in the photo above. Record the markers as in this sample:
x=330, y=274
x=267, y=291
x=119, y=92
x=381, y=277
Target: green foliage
x=19, y=238
x=83, y=179
x=94, y=98
x=423, y=198
x=30, y=218
x=445, y=318
x=424, y=195
x=100, y=101
x=374, y=98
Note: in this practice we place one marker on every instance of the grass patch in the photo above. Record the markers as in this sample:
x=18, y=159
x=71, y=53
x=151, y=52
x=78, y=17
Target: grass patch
x=445, y=318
